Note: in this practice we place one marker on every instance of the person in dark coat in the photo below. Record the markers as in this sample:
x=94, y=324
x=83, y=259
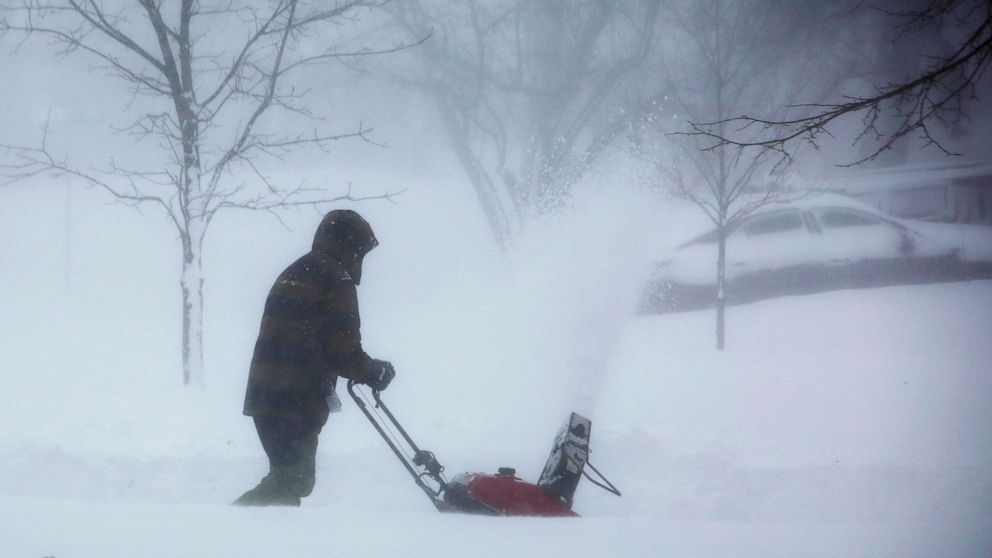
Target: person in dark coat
x=309, y=337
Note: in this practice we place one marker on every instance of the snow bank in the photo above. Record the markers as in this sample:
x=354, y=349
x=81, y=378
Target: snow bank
x=98, y=530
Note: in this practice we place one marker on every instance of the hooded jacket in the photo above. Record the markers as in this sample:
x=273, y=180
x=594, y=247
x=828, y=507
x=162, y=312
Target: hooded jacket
x=309, y=333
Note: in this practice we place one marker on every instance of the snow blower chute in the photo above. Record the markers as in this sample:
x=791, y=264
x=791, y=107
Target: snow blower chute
x=492, y=494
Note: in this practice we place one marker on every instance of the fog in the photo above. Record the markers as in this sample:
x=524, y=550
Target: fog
x=533, y=176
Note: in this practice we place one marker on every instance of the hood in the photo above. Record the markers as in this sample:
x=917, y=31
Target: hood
x=344, y=237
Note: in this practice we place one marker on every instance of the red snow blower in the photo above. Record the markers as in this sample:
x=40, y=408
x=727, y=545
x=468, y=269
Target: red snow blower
x=488, y=494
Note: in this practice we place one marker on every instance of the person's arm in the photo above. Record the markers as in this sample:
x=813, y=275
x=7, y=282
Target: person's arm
x=343, y=352
x=342, y=335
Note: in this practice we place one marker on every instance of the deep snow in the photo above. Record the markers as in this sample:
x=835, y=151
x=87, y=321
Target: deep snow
x=851, y=423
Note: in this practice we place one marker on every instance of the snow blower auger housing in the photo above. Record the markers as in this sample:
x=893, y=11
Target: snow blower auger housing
x=491, y=494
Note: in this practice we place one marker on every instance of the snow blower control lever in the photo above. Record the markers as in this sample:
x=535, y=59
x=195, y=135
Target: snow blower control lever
x=482, y=493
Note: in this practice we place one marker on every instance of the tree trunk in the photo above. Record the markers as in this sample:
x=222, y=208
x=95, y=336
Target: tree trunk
x=493, y=207
x=721, y=267
x=67, y=271
x=191, y=283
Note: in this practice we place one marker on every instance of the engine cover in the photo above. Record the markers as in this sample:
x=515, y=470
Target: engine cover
x=502, y=494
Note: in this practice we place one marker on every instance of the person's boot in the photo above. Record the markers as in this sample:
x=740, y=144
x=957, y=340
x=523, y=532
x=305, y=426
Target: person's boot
x=275, y=489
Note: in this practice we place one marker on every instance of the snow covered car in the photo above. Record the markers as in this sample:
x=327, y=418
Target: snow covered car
x=818, y=243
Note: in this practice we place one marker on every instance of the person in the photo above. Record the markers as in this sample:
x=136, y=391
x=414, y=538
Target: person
x=309, y=336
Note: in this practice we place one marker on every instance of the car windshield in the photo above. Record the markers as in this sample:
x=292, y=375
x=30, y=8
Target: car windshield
x=840, y=218
x=707, y=238
x=778, y=222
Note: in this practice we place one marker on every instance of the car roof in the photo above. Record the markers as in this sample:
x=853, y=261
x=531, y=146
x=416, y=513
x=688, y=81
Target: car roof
x=817, y=200
x=801, y=201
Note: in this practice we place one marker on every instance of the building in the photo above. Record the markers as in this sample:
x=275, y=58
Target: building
x=948, y=191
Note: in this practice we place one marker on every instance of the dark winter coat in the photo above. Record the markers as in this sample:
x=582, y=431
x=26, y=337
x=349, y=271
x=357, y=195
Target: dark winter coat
x=308, y=337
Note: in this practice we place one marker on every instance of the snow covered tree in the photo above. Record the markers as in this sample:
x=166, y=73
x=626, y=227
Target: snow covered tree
x=209, y=75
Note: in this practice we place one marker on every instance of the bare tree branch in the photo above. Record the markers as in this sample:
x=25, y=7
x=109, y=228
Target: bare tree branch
x=32, y=162
x=913, y=105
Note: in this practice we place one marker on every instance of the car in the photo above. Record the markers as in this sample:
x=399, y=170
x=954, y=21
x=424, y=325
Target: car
x=817, y=243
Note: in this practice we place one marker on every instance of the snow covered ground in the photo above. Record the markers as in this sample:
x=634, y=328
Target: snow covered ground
x=850, y=423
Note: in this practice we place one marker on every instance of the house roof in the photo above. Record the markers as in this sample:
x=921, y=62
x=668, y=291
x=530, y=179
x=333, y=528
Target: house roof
x=909, y=177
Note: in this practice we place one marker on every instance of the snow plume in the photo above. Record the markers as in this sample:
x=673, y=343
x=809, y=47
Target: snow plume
x=577, y=277
x=492, y=347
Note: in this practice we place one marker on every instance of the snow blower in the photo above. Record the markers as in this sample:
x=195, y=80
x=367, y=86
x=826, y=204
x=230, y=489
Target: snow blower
x=492, y=494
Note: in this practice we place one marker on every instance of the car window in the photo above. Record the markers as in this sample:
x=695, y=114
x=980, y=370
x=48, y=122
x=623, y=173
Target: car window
x=838, y=218
x=709, y=238
x=778, y=222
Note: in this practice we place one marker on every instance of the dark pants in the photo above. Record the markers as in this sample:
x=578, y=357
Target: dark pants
x=291, y=446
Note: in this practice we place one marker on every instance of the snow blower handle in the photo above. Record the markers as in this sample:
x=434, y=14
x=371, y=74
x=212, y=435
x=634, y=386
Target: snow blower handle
x=420, y=458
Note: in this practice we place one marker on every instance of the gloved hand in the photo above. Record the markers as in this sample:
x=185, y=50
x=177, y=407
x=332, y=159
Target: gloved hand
x=381, y=372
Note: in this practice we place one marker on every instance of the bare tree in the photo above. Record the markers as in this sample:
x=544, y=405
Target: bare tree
x=530, y=93
x=212, y=74
x=909, y=107
x=729, y=54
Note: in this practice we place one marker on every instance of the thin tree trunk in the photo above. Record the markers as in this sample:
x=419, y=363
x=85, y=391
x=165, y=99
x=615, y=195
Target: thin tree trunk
x=67, y=277
x=721, y=260
x=721, y=267
x=495, y=211
x=191, y=283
